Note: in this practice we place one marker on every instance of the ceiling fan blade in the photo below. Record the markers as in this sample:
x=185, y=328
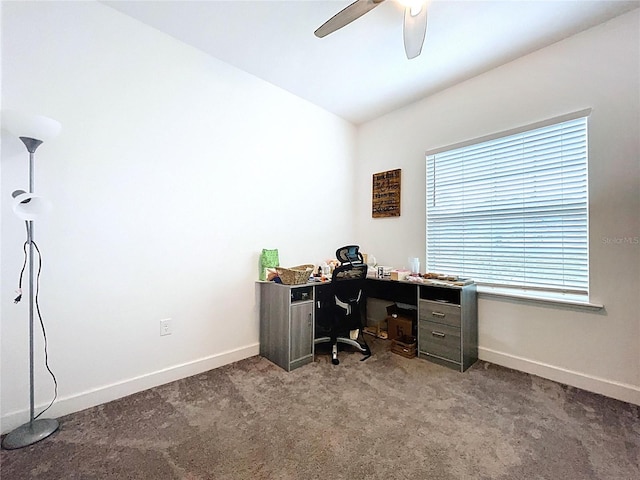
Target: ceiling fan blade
x=415, y=29
x=346, y=16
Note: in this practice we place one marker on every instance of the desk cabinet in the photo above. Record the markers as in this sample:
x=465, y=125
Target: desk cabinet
x=286, y=324
x=448, y=325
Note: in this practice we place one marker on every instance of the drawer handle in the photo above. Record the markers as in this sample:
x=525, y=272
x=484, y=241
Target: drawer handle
x=438, y=334
x=438, y=314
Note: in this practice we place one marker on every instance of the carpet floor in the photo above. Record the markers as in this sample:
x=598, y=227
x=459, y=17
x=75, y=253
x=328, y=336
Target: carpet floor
x=385, y=418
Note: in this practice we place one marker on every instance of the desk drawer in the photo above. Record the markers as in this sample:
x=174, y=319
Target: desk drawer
x=441, y=340
x=439, y=312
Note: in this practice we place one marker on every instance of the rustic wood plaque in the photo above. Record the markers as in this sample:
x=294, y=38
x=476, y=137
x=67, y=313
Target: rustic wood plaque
x=386, y=194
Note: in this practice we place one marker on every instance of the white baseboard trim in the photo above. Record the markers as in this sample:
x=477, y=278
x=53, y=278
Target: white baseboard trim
x=107, y=393
x=618, y=390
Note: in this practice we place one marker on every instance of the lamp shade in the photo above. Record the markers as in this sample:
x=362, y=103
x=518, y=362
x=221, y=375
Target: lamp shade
x=29, y=206
x=31, y=126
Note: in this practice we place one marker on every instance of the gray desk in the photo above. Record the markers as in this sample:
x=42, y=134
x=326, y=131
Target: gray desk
x=447, y=320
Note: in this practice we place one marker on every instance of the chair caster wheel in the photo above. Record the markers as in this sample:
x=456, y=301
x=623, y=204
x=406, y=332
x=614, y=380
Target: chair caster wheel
x=335, y=361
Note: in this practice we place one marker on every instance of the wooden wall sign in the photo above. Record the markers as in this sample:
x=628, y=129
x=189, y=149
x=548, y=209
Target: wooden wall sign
x=386, y=194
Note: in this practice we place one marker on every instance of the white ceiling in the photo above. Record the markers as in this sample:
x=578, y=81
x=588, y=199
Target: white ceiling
x=361, y=72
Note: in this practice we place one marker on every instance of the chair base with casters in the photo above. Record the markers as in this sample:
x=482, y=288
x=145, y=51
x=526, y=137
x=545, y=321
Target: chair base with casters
x=342, y=305
x=362, y=347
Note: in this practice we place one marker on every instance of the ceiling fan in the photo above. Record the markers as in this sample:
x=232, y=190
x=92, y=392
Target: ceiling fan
x=415, y=22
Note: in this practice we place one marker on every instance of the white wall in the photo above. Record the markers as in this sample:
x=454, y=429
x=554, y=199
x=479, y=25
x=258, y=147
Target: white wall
x=172, y=172
x=599, y=68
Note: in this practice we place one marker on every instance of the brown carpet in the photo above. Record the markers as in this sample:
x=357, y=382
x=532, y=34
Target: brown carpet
x=385, y=418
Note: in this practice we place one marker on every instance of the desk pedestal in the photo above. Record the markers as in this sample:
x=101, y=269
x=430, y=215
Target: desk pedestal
x=286, y=324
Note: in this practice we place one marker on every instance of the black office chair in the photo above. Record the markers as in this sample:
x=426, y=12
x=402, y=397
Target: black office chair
x=339, y=313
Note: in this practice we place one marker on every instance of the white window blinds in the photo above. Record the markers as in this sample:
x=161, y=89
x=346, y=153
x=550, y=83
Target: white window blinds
x=512, y=211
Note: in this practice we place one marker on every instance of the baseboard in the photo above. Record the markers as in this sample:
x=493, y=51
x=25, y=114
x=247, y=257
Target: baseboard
x=620, y=391
x=91, y=398
x=74, y=403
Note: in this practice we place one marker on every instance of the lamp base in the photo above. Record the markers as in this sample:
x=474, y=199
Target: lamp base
x=30, y=433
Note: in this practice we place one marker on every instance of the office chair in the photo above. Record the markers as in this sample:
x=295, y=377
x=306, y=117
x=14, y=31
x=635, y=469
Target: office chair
x=339, y=313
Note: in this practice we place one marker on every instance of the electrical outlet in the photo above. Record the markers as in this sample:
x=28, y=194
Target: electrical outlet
x=165, y=327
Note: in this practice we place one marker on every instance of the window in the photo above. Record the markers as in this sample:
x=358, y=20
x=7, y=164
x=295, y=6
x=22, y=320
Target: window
x=512, y=211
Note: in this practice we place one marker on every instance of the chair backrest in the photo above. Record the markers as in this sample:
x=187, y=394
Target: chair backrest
x=350, y=254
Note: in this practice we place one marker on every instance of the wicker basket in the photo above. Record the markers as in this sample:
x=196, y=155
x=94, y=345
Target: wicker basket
x=295, y=275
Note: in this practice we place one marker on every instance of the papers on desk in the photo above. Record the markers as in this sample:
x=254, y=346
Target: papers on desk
x=434, y=281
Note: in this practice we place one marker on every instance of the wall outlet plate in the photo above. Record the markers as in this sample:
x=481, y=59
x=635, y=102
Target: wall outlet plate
x=165, y=327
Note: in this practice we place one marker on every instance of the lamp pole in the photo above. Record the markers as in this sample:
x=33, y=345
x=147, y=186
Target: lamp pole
x=31, y=144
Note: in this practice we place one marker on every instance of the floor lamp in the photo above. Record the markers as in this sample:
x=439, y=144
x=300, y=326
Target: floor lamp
x=28, y=206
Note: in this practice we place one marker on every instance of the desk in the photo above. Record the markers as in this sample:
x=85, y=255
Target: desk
x=447, y=319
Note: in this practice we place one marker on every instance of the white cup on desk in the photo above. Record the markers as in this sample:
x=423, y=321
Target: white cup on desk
x=414, y=264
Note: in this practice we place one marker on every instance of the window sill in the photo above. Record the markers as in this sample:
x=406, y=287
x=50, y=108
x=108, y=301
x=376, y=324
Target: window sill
x=539, y=297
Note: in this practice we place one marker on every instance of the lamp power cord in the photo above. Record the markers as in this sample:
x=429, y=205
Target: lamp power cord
x=44, y=331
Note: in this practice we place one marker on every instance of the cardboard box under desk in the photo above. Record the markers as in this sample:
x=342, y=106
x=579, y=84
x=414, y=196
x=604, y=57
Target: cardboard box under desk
x=405, y=346
x=399, y=326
